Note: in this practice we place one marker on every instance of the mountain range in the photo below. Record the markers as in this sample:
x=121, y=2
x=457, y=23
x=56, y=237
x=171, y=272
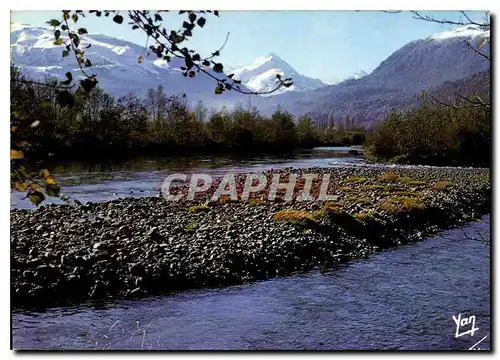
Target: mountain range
x=114, y=61
x=261, y=76
x=419, y=65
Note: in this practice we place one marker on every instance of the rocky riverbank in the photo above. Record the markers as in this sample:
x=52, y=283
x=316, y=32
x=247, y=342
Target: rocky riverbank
x=136, y=247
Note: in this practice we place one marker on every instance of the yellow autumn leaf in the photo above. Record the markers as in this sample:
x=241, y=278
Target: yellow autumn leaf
x=16, y=154
x=140, y=59
x=50, y=180
x=21, y=186
x=44, y=173
x=13, y=128
x=485, y=40
x=34, y=187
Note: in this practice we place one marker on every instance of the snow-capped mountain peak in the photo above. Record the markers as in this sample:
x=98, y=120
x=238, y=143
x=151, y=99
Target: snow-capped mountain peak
x=467, y=31
x=261, y=75
x=114, y=61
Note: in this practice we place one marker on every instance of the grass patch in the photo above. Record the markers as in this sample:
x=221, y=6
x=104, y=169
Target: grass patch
x=357, y=199
x=256, y=202
x=337, y=215
x=297, y=217
x=365, y=215
x=442, y=185
x=388, y=177
x=402, y=204
x=199, y=208
x=331, y=208
x=331, y=205
x=192, y=226
x=226, y=199
x=409, y=181
x=355, y=179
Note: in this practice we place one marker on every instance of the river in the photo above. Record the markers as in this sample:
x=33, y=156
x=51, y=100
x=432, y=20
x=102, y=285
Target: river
x=108, y=180
x=400, y=299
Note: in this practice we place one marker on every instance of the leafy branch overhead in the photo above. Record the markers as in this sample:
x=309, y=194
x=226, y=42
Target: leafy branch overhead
x=167, y=44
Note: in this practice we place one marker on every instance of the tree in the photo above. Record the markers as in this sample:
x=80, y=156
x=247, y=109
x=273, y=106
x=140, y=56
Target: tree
x=23, y=125
x=156, y=104
x=220, y=128
x=201, y=111
x=166, y=44
x=134, y=115
x=307, y=135
x=283, y=130
x=434, y=134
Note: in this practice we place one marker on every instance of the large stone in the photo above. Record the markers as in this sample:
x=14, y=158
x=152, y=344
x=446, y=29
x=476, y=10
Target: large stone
x=136, y=269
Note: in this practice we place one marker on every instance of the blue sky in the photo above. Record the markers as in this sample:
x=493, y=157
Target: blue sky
x=328, y=45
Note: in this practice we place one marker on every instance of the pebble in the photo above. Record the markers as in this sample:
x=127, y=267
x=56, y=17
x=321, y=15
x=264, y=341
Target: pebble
x=134, y=247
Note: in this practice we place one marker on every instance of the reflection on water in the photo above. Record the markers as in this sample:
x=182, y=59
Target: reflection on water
x=398, y=299
x=107, y=180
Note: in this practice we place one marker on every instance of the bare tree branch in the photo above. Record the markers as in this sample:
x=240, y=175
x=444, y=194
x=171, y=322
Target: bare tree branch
x=140, y=17
x=419, y=16
x=484, y=25
x=54, y=86
x=468, y=45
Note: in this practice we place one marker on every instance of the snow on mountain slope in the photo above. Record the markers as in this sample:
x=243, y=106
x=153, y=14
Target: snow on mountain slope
x=261, y=76
x=419, y=65
x=431, y=61
x=114, y=61
x=355, y=76
x=468, y=31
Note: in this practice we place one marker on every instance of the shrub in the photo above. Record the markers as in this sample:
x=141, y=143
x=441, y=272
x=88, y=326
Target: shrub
x=409, y=181
x=192, y=226
x=296, y=216
x=402, y=204
x=332, y=207
x=225, y=199
x=435, y=134
x=199, y=208
x=442, y=185
x=355, y=179
x=256, y=202
x=388, y=177
x=365, y=215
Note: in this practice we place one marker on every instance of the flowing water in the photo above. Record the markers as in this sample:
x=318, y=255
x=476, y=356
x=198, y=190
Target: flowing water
x=403, y=298
x=107, y=180
x=400, y=299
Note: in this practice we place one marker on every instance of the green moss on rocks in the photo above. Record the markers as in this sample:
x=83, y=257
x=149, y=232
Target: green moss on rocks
x=402, y=204
x=199, y=208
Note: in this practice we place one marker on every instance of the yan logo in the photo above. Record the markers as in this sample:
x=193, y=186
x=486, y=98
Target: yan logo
x=467, y=324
